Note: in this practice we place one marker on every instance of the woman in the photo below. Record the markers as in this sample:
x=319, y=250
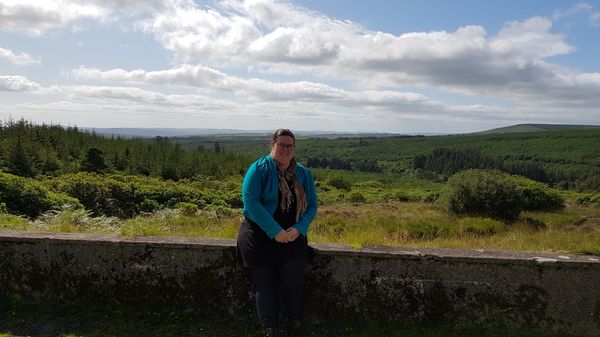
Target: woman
x=280, y=202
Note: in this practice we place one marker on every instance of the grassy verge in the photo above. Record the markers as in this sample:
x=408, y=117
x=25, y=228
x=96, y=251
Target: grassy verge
x=575, y=229
x=26, y=318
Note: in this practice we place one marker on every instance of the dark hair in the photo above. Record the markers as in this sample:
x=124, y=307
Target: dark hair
x=283, y=132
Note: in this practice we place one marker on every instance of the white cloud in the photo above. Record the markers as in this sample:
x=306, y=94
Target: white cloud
x=134, y=96
x=36, y=17
x=17, y=83
x=576, y=9
x=188, y=75
x=257, y=90
x=21, y=59
x=278, y=37
x=271, y=37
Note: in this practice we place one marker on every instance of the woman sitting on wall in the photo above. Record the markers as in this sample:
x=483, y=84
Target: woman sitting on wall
x=280, y=202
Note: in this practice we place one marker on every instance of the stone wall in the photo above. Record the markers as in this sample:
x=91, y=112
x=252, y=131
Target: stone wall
x=548, y=291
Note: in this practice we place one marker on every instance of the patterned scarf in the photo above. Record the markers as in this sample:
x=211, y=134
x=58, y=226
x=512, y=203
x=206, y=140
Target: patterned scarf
x=286, y=194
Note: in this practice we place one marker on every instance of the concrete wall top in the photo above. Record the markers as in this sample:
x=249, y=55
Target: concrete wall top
x=476, y=255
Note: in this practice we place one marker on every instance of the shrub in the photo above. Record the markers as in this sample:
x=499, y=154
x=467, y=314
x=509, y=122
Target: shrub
x=589, y=199
x=431, y=197
x=125, y=196
x=482, y=193
x=356, y=197
x=538, y=196
x=29, y=197
x=234, y=200
x=401, y=196
x=149, y=206
x=221, y=211
x=187, y=209
x=340, y=182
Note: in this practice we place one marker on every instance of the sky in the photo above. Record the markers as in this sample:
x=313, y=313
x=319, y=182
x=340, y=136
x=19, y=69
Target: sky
x=403, y=66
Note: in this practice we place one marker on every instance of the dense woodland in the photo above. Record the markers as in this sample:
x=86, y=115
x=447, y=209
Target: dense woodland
x=30, y=150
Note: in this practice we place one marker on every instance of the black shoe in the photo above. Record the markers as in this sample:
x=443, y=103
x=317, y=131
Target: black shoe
x=294, y=328
x=270, y=332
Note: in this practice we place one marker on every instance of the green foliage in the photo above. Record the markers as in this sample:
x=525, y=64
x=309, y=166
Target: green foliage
x=33, y=150
x=567, y=158
x=125, y=196
x=330, y=226
x=534, y=223
x=14, y=222
x=340, y=182
x=589, y=199
x=538, y=196
x=480, y=226
x=94, y=161
x=221, y=210
x=482, y=192
x=426, y=230
x=187, y=208
x=356, y=197
x=449, y=161
x=27, y=197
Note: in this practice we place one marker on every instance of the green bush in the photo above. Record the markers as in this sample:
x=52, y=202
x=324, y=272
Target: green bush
x=538, y=196
x=401, y=196
x=149, y=206
x=340, y=182
x=187, y=209
x=589, y=199
x=28, y=197
x=356, y=197
x=125, y=196
x=221, y=210
x=484, y=193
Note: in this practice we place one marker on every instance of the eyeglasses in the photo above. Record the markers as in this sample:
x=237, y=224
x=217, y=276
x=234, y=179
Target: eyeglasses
x=285, y=146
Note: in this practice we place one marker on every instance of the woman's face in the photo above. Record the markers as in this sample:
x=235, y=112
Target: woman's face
x=282, y=150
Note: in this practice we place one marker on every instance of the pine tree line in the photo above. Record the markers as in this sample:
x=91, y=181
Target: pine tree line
x=31, y=150
x=558, y=172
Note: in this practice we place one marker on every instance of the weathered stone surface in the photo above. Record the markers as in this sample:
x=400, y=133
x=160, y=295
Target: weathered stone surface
x=552, y=291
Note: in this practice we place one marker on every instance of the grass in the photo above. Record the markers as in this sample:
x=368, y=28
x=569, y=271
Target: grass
x=422, y=225
x=28, y=318
x=575, y=229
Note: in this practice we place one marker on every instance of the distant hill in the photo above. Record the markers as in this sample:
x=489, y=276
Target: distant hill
x=197, y=132
x=163, y=132
x=522, y=128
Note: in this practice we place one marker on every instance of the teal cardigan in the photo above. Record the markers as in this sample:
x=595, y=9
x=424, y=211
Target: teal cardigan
x=260, y=193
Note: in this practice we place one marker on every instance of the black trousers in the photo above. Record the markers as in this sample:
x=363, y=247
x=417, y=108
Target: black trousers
x=290, y=275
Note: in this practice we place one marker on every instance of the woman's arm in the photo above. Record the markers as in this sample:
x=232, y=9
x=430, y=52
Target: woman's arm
x=251, y=195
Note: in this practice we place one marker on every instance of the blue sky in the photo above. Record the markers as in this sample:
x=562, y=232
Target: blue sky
x=389, y=66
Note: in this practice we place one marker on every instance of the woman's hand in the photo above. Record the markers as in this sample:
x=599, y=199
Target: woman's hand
x=293, y=233
x=282, y=237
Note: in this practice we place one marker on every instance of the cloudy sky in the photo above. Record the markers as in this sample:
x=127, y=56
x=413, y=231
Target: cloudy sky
x=406, y=66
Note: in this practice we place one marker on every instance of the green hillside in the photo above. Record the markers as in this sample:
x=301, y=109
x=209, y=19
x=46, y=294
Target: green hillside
x=566, y=158
x=520, y=128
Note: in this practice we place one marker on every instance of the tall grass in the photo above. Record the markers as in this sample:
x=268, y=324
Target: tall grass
x=575, y=229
